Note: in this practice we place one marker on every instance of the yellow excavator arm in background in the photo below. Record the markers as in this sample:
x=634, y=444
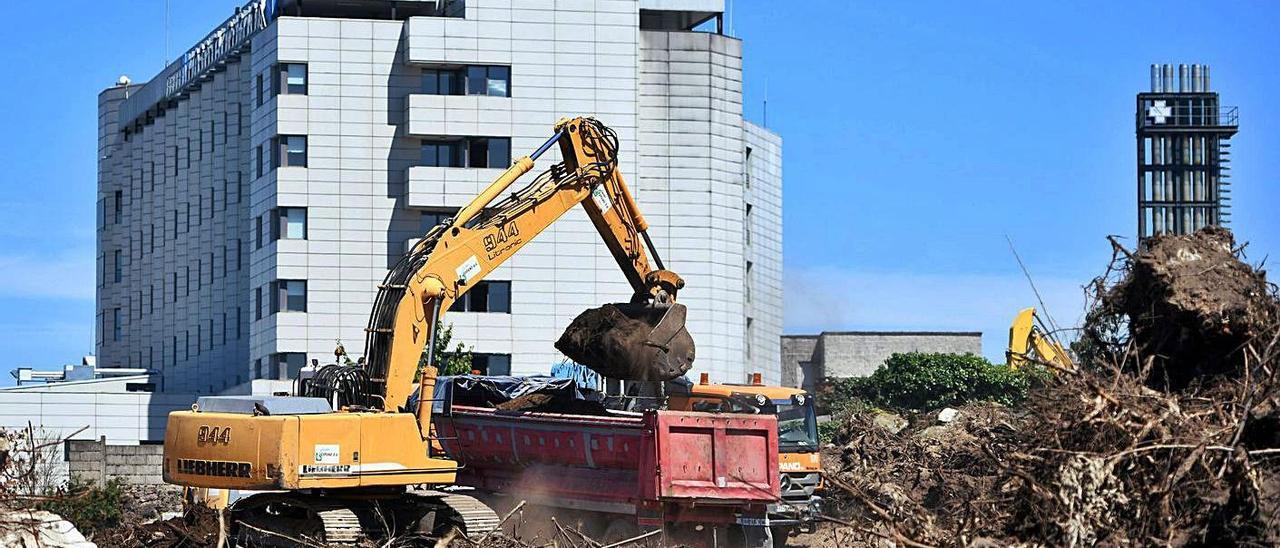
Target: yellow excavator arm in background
x=1029, y=344
x=483, y=235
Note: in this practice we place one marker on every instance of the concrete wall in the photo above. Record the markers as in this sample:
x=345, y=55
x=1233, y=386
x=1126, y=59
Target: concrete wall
x=808, y=358
x=182, y=234
x=97, y=461
x=120, y=418
x=764, y=251
x=691, y=184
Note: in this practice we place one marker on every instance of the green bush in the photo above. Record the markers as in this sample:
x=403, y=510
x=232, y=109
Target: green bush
x=827, y=430
x=88, y=506
x=920, y=380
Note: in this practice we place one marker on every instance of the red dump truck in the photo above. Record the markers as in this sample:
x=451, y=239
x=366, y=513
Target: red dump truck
x=701, y=478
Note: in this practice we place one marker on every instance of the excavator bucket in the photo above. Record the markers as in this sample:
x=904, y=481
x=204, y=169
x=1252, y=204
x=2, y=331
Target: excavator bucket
x=634, y=342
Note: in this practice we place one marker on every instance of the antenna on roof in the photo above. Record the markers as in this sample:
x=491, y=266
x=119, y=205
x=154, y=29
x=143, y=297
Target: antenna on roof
x=765, y=122
x=166, y=34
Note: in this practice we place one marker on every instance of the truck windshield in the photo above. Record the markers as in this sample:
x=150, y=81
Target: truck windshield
x=797, y=427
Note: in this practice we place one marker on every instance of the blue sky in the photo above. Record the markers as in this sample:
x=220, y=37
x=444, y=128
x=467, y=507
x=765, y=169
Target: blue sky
x=917, y=136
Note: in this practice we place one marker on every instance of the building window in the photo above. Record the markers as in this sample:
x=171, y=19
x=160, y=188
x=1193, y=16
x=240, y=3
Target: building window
x=119, y=206
x=239, y=323
x=491, y=364
x=289, y=150
x=261, y=89
x=116, y=328
x=489, y=152
x=447, y=81
x=492, y=80
x=443, y=153
x=288, y=364
x=485, y=297
x=257, y=232
x=289, y=296
x=260, y=162
x=291, y=78
x=489, y=80
x=290, y=223
x=117, y=258
x=257, y=303
x=486, y=152
x=434, y=217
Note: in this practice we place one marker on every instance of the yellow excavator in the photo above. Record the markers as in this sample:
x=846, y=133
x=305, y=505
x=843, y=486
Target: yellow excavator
x=1030, y=343
x=352, y=458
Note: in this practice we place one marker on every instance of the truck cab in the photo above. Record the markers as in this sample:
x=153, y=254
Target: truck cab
x=799, y=462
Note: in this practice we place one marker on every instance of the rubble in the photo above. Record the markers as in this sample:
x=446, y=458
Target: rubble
x=198, y=527
x=39, y=528
x=1165, y=435
x=1188, y=304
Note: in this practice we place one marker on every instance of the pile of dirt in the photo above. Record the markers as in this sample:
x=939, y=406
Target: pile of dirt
x=630, y=342
x=917, y=477
x=198, y=528
x=1190, y=304
x=1167, y=434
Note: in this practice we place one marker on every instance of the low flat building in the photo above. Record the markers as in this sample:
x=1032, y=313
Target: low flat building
x=807, y=359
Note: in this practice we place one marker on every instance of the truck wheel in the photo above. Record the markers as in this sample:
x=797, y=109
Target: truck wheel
x=780, y=535
x=757, y=537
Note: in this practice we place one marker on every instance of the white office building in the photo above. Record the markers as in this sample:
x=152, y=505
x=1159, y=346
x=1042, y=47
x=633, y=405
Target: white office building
x=253, y=194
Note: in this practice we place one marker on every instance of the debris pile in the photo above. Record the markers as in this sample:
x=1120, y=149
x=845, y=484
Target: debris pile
x=198, y=527
x=1167, y=434
x=1191, y=306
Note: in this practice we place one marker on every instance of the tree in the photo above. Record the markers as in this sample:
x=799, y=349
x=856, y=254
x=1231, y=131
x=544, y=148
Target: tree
x=456, y=362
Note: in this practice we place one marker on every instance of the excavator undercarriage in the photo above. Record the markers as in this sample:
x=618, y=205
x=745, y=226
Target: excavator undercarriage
x=291, y=519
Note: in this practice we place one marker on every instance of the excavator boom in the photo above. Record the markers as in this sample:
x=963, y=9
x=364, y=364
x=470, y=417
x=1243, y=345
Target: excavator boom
x=1029, y=344
x=483, y=235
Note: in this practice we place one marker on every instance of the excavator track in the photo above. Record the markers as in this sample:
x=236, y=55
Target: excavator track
x=471, y=516
x=274, y=520
x=341, y=526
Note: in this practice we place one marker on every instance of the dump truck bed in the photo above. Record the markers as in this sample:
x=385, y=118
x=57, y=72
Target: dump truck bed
x=656, y=465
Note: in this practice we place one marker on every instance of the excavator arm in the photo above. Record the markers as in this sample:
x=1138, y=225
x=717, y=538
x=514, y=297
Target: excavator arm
x=1029, y=344
x=460, y=252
